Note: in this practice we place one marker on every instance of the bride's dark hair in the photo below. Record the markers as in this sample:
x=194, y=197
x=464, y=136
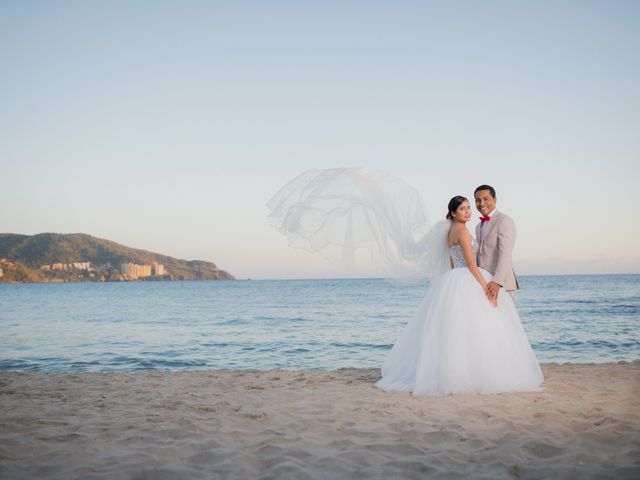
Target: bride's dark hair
x=454, y=203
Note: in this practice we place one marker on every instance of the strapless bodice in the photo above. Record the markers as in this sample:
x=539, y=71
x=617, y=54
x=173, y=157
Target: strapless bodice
x=458, y=257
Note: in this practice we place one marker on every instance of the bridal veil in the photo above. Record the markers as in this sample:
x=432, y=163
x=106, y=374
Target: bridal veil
x=358, y=208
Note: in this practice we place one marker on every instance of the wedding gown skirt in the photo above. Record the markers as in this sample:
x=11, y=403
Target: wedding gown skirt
x=457, y=342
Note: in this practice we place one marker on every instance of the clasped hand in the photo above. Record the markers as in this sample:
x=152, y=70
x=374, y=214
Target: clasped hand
x=491, y=291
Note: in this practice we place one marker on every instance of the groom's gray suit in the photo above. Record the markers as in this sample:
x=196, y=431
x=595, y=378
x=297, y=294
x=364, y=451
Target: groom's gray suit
x=496, y=247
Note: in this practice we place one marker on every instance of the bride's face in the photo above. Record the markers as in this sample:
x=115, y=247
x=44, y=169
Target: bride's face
x=463, y=212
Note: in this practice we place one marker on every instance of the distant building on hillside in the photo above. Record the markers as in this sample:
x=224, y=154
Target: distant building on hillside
x=133, y=270
x=66, y=266
x=158, y=269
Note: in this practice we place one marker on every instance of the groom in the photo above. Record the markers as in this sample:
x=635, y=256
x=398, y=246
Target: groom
x=496, y=234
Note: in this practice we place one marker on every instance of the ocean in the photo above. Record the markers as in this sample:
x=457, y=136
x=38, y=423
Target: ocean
x=292, y=324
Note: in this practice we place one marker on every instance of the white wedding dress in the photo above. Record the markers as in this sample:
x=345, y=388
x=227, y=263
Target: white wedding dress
x=457, y=342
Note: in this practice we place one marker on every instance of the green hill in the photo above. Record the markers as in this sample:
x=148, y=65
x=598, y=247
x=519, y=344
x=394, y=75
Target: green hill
x=23, y=256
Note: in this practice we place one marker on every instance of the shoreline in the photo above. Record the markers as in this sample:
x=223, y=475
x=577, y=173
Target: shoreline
x=315, y=424
x=208, y=371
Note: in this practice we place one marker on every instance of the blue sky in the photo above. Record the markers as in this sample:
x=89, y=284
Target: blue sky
x=168, y=125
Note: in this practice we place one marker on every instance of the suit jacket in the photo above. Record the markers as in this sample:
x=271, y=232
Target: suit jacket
x=496, y=248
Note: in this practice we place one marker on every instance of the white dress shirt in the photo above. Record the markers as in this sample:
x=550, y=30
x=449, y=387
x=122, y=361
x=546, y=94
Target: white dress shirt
x=483, y=225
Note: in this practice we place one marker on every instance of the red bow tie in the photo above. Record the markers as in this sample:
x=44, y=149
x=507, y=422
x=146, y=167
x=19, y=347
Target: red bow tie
x=485, y=219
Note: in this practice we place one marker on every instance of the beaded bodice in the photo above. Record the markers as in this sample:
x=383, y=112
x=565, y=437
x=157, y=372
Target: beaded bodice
x=458, y=257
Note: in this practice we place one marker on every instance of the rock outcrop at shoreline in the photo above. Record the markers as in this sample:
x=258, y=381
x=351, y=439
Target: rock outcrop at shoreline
x=22, y=258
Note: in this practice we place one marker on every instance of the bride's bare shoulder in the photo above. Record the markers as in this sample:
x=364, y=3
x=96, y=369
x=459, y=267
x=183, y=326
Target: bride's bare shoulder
x=458, y=234
x=463, y=235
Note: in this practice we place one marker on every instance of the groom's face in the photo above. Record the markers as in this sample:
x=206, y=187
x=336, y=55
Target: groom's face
x=485, y=203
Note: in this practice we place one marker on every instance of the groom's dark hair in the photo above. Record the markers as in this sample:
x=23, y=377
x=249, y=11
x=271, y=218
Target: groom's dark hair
x=485, y=187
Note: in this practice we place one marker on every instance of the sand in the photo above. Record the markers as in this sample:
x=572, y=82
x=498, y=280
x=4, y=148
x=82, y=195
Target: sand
x=315, y=425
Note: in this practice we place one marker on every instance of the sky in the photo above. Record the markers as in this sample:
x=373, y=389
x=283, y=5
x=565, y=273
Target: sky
x=167, y=126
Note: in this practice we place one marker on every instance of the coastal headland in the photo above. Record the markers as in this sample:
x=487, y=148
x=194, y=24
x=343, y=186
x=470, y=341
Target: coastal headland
x=78, y=257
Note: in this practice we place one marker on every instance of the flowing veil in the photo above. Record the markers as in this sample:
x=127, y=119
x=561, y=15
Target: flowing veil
x=358, y=208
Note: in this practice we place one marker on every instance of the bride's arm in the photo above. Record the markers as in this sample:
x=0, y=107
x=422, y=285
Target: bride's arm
x=467, y=251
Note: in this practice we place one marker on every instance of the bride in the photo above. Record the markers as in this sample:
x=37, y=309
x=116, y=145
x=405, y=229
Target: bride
x=458, y=341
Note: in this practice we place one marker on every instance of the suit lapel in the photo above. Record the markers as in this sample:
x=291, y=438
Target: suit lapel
x=490, y=226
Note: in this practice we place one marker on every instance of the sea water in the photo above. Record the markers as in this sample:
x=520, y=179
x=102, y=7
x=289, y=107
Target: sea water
x=293, y=324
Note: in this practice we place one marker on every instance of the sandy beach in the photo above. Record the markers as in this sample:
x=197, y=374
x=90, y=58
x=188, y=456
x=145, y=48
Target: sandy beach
x=315, y=425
